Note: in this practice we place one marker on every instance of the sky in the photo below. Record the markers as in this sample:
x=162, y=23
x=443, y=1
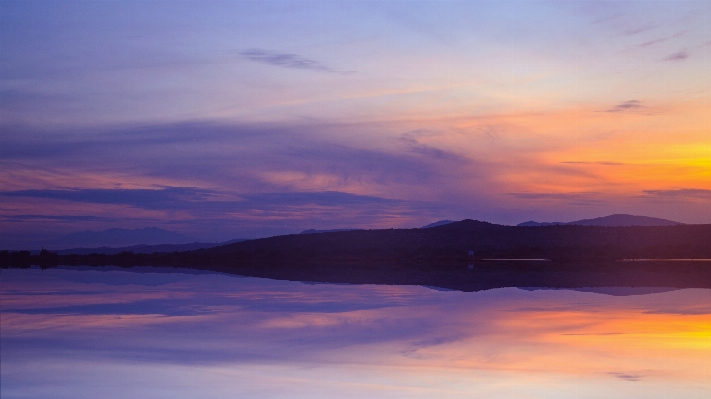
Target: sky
x=222, y=120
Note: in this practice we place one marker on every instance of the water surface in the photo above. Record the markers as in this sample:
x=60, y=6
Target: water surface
x=159, y=333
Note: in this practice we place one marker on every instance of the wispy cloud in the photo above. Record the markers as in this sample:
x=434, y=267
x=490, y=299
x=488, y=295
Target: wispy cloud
x=56, y=218
x=165, y=198
x=577, y=199
x=627, y=376
x=190, y=198
x=416, y=146
x=681, y=192
x=247, y=154
x=593, y=163
x=287, y=60
x=638, y=30
x=678, y=56
x=627, y=106
x=210, y=204
x=692, y=311
x=660, y=40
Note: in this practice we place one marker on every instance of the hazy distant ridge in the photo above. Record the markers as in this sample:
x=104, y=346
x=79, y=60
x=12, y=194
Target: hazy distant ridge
x=617, y=220
x=439, y=223
x=117, y=238
x=148, y=249
x=314, y=231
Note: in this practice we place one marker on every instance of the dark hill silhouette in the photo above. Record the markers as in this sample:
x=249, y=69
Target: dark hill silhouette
x=451, y=242
x=617, y=220
x=577, y=256
x=621, y=220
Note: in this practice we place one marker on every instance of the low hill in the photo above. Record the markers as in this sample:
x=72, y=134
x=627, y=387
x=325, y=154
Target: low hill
x=617, y=220
x=575, y=256
x=451, y=242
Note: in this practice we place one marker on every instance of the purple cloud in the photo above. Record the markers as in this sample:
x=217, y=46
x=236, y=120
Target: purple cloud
x=660, y=40
x=678, y=56
x=636, y=31
x=286, y=60
x=56, y=218
x=201, y=200
x=576, y=199
x=627, y=106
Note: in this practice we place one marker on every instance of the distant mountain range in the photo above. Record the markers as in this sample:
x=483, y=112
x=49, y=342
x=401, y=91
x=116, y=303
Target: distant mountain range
x=314, y=231
x=466, y=255
x=148, y=249
x=117, y=238
x=153, y=239
x=617, y=220
x=451, y=242
x=435, y=224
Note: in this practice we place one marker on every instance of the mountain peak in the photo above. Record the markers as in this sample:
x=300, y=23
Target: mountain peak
x=438, y=223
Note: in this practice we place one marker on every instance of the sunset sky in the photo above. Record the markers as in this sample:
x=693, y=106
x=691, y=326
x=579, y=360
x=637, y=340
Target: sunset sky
x=248, y=119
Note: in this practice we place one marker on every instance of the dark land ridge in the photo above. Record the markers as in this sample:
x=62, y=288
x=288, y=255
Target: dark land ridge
x=611, y=221
x=573, y=256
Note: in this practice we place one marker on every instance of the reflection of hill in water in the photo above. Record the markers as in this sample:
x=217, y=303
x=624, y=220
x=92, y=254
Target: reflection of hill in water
x=113, y=272
x=614, y=291
x=603, y=278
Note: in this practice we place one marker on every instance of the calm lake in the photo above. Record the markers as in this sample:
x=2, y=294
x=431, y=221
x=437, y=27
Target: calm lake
x=165, y=333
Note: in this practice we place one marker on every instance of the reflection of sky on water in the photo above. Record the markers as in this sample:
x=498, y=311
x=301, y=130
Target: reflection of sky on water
x=118, y=334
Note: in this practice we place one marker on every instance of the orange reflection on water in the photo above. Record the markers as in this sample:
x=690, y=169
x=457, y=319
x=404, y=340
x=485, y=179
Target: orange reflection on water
x=251, y=337
x=621, y=342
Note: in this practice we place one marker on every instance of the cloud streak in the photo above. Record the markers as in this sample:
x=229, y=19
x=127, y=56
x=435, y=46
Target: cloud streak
x=187, y=198
x=164, y=198
x=681, y=192
x=576, y=199
x=593, y=163
x=627, y=376
x=627, y=106
x=660, y=40
x=56, y=218
x=287, y=60
x=678, y=56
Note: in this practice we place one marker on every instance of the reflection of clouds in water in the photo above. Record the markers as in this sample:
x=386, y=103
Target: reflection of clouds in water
x=195, y=323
